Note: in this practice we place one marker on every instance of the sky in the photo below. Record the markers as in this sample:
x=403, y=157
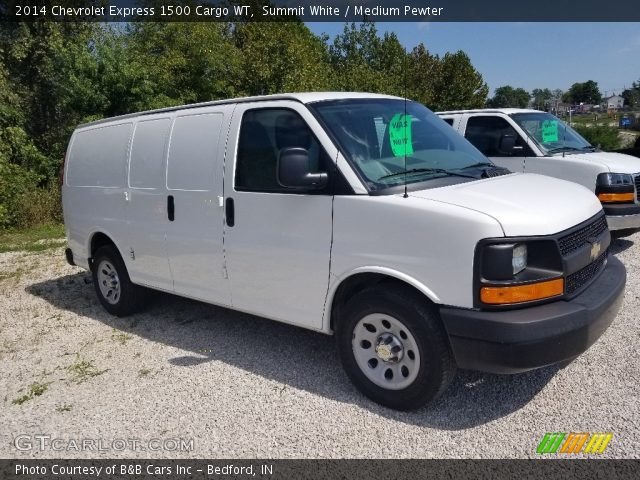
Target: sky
x=530, y=55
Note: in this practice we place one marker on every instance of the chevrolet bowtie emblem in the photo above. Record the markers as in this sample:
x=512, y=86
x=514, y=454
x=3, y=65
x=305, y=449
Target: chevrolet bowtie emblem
x=595, y=250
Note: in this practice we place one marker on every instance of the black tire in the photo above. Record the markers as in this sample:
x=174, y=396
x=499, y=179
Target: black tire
x=130, y=297
x=436, y=363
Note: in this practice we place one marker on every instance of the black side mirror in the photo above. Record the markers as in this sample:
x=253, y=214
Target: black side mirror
x=294, y=171
x=508, y=144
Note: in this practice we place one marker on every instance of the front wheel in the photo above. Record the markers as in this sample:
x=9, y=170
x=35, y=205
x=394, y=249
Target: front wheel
x=394, y=348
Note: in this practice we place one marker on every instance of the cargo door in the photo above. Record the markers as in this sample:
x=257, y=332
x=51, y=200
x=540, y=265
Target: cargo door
x=146, y=250
x=277, y=241
x=194, y=212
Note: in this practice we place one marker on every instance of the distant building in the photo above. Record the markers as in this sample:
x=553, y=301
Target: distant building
x=615, y=102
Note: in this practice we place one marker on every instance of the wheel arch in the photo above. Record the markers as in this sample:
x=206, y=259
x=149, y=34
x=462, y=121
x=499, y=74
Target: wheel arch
x=98, y=239
x=365, y=277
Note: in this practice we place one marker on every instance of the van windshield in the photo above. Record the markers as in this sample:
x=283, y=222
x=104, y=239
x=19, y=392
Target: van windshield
x=391, y=141
x=551, y=133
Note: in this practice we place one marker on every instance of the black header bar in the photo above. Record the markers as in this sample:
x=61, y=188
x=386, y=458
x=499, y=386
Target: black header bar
x=322, y=10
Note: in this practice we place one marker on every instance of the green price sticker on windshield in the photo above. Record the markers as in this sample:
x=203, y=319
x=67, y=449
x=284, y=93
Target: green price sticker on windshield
x=400, y=135
x=549, y=131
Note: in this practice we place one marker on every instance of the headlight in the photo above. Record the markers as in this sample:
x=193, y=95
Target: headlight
x=611, y=179
x=517, y=271
x=519, y=259
x=503, y=261
x=615, y=188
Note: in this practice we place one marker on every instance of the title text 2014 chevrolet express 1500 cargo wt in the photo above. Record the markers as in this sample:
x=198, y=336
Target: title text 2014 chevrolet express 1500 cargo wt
x=355, y=214
x=532, y=141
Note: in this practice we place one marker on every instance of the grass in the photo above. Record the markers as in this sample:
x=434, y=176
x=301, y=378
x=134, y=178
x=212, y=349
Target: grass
x=82, y=370
x=30, y=239
x=65, y=407
x=13, y=274
x=121, y=337
x=35, y=390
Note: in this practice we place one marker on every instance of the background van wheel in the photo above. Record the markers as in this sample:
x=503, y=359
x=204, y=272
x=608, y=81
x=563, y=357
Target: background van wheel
x=394, y=348
x=114, y=288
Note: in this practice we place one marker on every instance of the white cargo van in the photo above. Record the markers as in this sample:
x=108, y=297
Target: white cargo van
x=355, y=214
x=532, y=141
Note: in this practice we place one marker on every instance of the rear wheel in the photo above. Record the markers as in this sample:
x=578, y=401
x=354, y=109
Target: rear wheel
x=112, y=283
x=393, y=347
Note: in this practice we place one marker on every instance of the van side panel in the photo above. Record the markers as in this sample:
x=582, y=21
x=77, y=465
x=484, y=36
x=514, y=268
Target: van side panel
x=432, y=243
x=98, y=157
x=147, y=206
x=95, y=181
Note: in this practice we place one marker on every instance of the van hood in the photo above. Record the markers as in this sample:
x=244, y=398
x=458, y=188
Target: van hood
x=613, y=162
x=523, y=203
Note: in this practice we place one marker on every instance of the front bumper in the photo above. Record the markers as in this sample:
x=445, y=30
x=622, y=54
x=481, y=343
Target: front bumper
x=622, y=217
x=519, y=340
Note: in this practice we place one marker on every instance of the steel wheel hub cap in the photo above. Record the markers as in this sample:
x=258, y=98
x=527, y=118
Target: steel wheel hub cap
x=386, y=351
x=108, y=282
x=389, y=348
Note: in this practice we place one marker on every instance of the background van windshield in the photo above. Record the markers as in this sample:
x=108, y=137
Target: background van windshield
x=376, y=134
x=551, y=133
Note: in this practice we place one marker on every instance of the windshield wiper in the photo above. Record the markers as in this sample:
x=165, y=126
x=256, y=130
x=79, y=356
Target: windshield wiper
x=564, y=149
x=430, y=170
x=480, y=164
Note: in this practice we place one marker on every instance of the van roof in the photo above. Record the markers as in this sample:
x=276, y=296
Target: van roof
x=506, y=111
x=302, y=97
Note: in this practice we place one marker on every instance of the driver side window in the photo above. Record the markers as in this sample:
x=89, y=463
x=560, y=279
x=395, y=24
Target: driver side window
x=264, y=133
x=488, y=133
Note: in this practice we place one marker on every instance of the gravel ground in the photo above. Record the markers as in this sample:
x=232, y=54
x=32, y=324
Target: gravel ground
x=245, y=387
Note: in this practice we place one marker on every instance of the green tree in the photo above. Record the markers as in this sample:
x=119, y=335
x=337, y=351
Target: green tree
x=446, y=83
x=11, y=112
x=423, y=75
x=632, y=95
x=459, y=85
x=44, y=59
x=390, y=59
x=541, y=98
x=507, y=96
x=352, y=57
x=586, y=92
x=280, y=57
x=174, y=63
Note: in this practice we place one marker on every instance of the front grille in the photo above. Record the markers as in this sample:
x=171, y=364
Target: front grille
x=578, y=238
x=636, y=180
x=577, y=280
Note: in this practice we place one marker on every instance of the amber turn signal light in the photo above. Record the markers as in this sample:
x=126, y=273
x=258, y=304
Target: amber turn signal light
x=616, y=197
x=522, y=293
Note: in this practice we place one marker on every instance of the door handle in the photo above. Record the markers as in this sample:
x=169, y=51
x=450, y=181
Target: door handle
x=229, y=212
x=171, y=209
